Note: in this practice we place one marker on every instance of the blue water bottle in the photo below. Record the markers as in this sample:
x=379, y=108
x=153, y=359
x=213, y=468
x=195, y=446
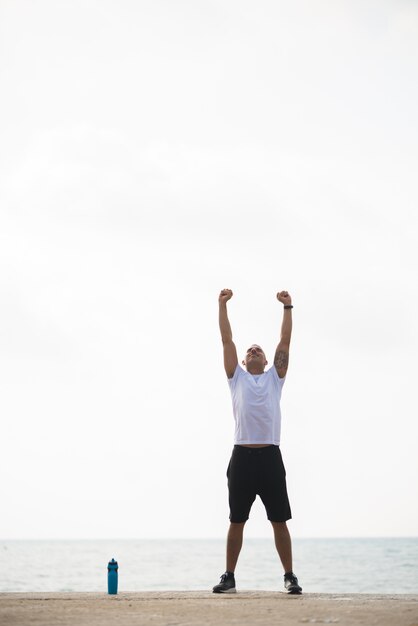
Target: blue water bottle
x=112, y=577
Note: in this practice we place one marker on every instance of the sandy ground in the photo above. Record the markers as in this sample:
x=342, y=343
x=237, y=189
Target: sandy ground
x=194, y=608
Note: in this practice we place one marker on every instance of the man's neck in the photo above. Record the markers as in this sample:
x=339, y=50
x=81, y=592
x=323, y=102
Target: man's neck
x=255, y=372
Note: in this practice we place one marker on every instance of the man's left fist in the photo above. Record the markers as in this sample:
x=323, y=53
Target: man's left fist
x=284, y=297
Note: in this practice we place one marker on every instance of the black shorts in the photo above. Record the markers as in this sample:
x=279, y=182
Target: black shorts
x=257, y=471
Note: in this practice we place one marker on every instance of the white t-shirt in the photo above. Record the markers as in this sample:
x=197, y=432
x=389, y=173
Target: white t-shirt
x=256, y=406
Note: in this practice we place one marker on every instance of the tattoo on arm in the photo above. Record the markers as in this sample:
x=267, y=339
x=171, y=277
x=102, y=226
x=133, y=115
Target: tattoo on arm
x=281, y=359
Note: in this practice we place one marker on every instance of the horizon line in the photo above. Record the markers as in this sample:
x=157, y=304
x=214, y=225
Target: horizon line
x=220, y=538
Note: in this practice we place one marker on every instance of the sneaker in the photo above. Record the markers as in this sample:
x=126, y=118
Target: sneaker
x=291, y=583
x=227, y=584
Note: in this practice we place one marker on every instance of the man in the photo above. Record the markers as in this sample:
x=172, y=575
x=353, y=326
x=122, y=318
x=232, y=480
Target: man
x=256, y=466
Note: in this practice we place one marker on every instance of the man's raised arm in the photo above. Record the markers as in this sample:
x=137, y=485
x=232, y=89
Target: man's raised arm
x=281, y=358
x=230, y=351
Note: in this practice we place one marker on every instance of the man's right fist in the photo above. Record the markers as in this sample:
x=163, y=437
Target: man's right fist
x=225, y=295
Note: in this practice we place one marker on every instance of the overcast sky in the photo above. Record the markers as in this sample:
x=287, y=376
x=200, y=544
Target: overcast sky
x=153, y=153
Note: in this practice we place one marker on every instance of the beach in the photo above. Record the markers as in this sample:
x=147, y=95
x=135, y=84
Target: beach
x=195, y=608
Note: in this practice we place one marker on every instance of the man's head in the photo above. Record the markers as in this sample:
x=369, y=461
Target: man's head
x=255, y=360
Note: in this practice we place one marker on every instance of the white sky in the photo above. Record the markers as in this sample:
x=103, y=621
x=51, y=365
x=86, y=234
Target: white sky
x=152, y=153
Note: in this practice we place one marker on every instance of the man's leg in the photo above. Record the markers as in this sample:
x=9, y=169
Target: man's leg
x=233, y=548
x=283, y=544
x=233, y=545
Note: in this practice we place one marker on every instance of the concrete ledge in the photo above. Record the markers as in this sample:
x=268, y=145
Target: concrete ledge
x=202, y=608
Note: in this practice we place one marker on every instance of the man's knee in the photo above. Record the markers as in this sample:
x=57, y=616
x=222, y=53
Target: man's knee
x=236, y=528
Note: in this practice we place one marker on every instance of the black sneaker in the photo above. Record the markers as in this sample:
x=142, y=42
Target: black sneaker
x=291, y=583
x=227, y=584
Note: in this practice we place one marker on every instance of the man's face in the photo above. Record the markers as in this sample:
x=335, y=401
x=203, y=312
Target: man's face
x=255, y=358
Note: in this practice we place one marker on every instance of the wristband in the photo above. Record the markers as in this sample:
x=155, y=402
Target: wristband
x=288, y=306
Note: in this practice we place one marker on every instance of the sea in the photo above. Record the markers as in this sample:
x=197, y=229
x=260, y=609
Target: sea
x=382, y=566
